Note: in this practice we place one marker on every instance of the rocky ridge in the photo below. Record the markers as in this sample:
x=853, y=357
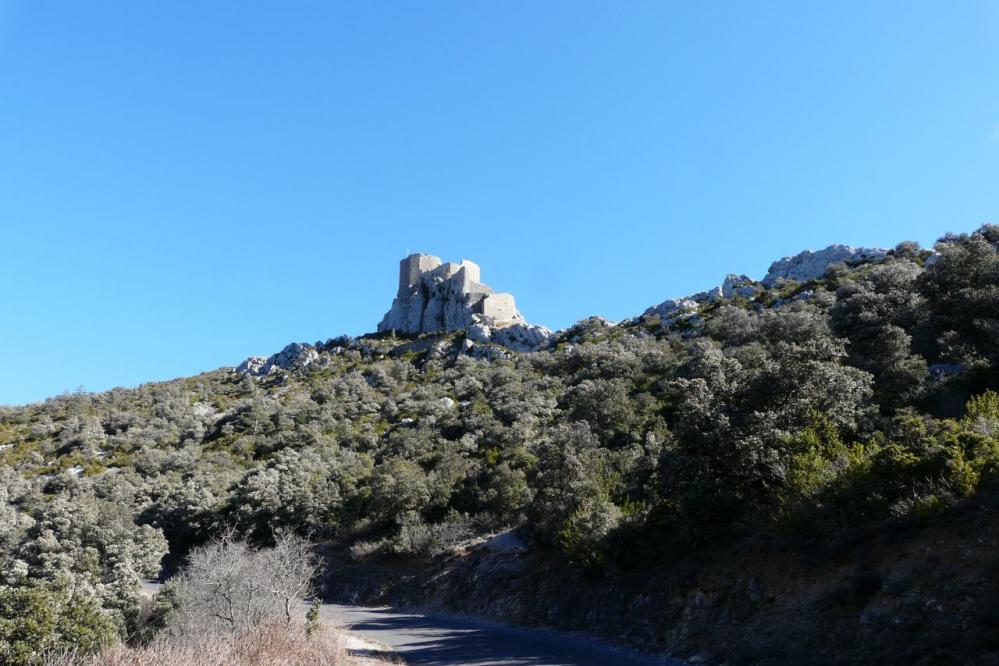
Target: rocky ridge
x=435, y=297
x=809, y=265
x=800, y=268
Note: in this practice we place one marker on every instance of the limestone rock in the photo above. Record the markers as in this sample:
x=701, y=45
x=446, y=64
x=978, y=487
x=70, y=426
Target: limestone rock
x=677, y=308
x=708, y=296
x=738, y=285
x=522, y=337
x=670, y=308
x=479, y=332
x=253, y=365
x=293, y=357
x=810, y=265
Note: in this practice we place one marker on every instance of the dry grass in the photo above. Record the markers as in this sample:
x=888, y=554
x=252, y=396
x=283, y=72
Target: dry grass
x=271, y=645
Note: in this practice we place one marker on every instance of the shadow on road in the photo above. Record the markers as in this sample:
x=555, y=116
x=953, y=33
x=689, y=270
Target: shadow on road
x=422, y=639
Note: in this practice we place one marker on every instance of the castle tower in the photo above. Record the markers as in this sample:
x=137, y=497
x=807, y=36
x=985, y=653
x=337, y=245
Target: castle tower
x=415, y=265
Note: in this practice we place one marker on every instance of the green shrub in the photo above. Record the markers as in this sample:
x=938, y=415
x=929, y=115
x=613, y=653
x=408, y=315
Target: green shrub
x=38, y=621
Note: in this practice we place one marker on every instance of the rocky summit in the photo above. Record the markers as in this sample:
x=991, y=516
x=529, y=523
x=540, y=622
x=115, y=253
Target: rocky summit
x=802, y=267
x=438, y=297
x=810, y=265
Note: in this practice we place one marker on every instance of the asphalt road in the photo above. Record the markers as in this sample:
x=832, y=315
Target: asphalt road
x=429, y=639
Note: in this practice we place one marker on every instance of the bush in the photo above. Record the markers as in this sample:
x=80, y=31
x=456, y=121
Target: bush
x=227, y=586
x=421, y=539
x=273, y=644
x=36, y=621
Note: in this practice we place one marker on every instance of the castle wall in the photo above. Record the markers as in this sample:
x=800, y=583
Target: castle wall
x=472, y=271
x=447, y=270
x=415, y=265
x=435, y=296
x=500, y=307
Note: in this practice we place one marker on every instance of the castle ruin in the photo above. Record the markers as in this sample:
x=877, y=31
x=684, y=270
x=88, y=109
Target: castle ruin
x=435, y=296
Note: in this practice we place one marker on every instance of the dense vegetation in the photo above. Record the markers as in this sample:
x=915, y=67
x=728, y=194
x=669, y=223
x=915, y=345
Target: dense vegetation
x=863, y=397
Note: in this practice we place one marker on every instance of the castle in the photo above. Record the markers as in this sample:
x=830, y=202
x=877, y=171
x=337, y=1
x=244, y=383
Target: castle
x=435, y=296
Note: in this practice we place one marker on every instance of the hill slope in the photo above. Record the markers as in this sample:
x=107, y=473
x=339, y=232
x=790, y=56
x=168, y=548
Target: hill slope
x=761, y=418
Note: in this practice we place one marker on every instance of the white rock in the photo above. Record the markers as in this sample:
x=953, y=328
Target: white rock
x=671, y=307
x=810, y=265
x=710, y=295
x=521, y=337
x=479, y=333
x=738, y=285
x=293, y=357
x=252, y=365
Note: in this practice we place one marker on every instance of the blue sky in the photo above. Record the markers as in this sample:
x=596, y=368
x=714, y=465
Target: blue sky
x=184, y=184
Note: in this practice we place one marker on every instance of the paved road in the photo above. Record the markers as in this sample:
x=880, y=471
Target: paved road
x=427, y=639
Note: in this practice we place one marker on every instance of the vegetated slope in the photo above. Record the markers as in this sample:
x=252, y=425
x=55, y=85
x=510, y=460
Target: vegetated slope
x=775, y=423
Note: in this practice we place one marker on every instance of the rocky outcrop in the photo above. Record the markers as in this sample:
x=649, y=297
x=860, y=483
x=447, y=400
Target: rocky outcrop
x=672, y=307
x=801, y=267
x=518, y=337
x=810, y=265
x=738, y=285
x=293, y=357
x=436, y=297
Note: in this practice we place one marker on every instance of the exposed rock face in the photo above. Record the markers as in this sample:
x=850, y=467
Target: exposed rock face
x=672, y=307
x=810, y=265
x=294, y=356
x=518, y=337
x=436, y=297
x=801, y=267
x=738, y=285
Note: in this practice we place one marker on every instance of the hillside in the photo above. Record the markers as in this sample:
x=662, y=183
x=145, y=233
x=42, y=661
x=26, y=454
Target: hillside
x=785, y=430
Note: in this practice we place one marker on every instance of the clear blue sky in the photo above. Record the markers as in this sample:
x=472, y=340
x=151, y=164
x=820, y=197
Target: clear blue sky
x=184, y=184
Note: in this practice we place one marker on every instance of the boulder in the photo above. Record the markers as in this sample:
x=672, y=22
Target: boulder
x=293, y=357
x=738, y=285
x=521, y=337
x=672, y=307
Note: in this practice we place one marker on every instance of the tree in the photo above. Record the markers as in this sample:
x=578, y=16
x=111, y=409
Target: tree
x=962, y=291
x=227, y=585
x=571, y=507
x=876, y=313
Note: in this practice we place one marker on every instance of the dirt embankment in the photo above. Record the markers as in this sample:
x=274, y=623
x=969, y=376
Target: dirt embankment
x=921, y=593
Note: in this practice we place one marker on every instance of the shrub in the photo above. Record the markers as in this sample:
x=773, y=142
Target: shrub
x=35, y=621
x=271, y=644
x=227, y=586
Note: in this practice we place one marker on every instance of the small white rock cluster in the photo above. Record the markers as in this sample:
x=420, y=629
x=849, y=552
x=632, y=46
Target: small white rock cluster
x=293, y=357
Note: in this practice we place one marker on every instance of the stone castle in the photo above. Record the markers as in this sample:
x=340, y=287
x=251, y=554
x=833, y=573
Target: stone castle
x=436, y=297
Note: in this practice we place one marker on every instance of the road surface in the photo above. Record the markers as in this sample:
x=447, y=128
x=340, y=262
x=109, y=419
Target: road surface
x=429, y=639
x=433, y=640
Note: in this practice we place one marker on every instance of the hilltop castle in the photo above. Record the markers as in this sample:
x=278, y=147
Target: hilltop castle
x=435, y=296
